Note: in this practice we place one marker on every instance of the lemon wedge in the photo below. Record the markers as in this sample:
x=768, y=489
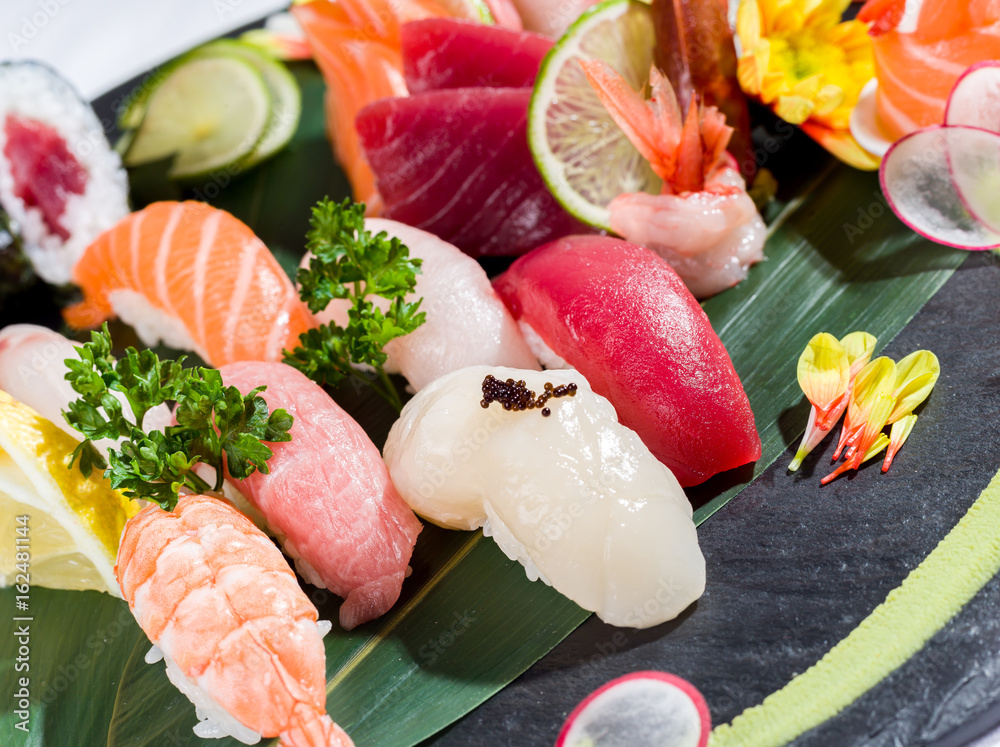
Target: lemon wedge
x=73, y=522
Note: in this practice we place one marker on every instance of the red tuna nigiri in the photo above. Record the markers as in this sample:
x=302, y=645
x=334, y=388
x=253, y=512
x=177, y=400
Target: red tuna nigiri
x=445, y=53
x=621, y=316
x=456, y=163
x=329, y=496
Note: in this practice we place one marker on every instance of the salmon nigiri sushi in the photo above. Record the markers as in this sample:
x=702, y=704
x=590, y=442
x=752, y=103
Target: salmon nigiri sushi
x=195, y=278
x=328, y=496
x=221, y=606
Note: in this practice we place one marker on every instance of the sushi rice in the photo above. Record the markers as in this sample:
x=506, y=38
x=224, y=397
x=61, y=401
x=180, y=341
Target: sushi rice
x=34, y=92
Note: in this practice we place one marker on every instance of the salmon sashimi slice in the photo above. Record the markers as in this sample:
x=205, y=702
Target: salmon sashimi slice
x=193, y=277
x=456, y=163
x=239, y=636
x=328, y=495
x=917, y=68
x=445, y=53
x=356, y=44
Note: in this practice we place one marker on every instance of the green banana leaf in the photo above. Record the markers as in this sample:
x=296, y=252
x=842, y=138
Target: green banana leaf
x=469, y=621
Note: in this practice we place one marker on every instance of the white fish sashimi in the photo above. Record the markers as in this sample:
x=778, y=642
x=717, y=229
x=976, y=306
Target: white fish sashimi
x=575, y=497
x=33, y=371
x=467, y=323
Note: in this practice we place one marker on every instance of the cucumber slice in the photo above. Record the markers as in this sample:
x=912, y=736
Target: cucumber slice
x=208, y=112
x=583, y=156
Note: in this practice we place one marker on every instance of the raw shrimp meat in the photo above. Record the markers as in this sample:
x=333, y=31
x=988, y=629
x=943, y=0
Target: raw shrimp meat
x=33, y=371
x=620, y=315
x=921, y=49
x=563, y=488
x=240, y=638
x=467, y=323
x=703, y=223
x=194, y=277
x=328, y=496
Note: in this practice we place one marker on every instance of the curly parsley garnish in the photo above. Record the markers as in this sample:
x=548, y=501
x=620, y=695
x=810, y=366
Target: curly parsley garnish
x=350, y=263
x=212, y=420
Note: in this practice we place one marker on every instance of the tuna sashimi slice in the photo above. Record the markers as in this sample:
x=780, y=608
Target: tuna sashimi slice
x=444, y=53
x=621, y=316
x=329, y=496
x=456, y=163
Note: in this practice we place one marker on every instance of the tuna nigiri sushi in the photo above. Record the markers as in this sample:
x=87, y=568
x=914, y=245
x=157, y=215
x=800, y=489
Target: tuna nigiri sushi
x=328, y=496
x=921, y=49
x=240, y=638
x=467, y=323
x=59, y=179
x=195, y=278
x=559, y=484
x=622, y=317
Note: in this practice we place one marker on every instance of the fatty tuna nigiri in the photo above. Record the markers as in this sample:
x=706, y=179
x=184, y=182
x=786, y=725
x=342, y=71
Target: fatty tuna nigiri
x=467, y=323
x=240, y=638
x=328, y=496
x=194, y=277
x=621, y=316
x=562, y=487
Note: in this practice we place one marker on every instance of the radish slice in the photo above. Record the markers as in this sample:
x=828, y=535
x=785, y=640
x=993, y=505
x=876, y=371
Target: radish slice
x=864, y=122
x=642, y=709
x=975, y=99
x=944, y=183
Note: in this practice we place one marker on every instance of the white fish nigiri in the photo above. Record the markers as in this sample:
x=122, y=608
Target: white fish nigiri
x=574, y=496
x=467, y=323
x=33, y=371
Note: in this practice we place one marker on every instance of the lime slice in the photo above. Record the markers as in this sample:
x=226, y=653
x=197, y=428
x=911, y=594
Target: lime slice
x=473, y=10
x=69, y=524
x=286, y=99
x=583, y=156
x=208, y=112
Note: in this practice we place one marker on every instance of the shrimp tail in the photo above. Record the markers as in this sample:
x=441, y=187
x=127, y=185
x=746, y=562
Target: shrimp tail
x=312, y=729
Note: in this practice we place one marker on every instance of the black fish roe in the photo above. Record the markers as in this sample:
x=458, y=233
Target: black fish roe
x=515, y=395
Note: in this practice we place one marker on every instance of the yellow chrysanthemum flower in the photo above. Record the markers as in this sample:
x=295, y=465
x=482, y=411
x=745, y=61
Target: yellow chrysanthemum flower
x=801, y=60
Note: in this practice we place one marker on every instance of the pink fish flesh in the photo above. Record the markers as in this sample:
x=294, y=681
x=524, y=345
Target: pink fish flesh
x=622, y=317
x=446, y=53
x=456, y=163
x=329, y=496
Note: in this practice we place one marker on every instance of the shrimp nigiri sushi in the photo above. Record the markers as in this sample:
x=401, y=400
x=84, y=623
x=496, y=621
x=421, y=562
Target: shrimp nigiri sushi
x=467, y=323
x=195, y=278
x=559, y=484
x=622, y=317
x=221, y=606
x=328, y=495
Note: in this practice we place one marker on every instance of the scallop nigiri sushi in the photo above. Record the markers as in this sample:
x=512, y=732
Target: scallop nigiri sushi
x=195, y=278
x=621, y=316
x=467, y=323
x=240, y=639
x=558, y=483
x=59, y=179
x=328, y=496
